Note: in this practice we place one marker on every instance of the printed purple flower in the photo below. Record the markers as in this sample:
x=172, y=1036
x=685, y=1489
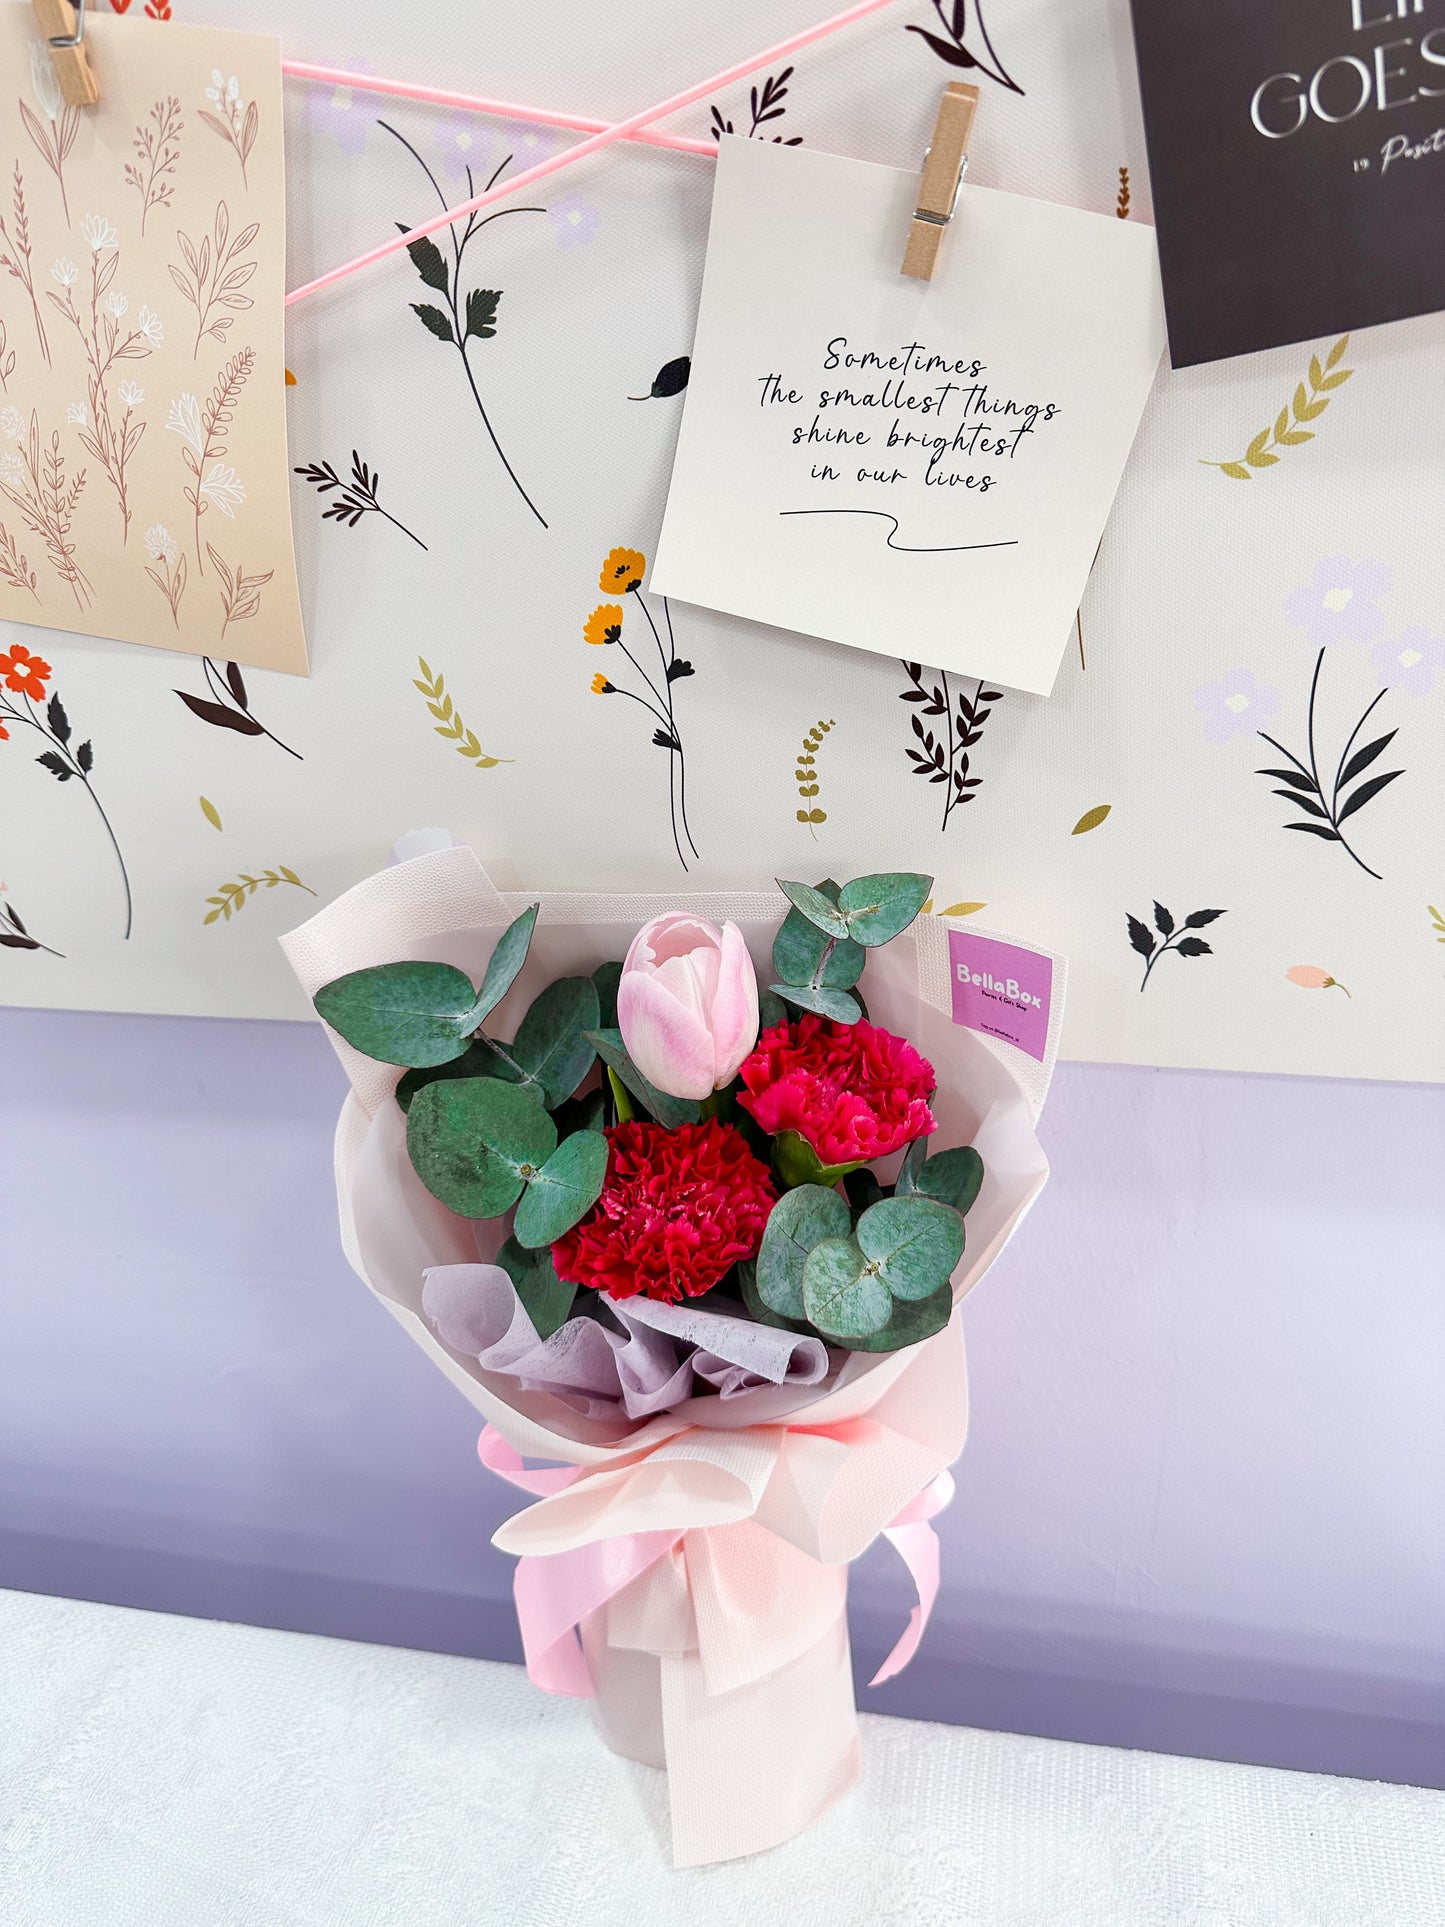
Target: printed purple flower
x=467, y=141
x=527, y=141
x=1412, y=661
x=342, y=112
x=573, y=220
x=1342, y=602
x=1235, y=705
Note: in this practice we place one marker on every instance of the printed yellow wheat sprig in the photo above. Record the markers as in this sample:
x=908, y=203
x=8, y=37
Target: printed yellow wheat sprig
x=806, y=775
x=232, y=897
x=449, y=723
x=1287, y=431
x=1121, y=205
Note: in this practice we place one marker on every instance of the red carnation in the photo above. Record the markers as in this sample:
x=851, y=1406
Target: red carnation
x=678, y=1210
x=854, y=1092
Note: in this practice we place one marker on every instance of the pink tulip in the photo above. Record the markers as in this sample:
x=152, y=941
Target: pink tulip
x=687, y=1005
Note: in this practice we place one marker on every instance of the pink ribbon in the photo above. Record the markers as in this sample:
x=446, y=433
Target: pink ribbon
x=556, y=1592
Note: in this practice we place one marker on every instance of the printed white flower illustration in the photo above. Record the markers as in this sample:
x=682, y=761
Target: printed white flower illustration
x=75, y=412
x=99, y=233
x=12, y=424
x=223, y=487
x=12, y=469
x=65, y=272
x=117, y=303
x=184, y=419
x=149, y=325
x=160, y=543
x=131, y=393
x=44, y=80
x=224, y=93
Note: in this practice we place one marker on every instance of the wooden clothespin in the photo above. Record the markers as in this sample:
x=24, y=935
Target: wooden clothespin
x=942, y=177
x=63, y=28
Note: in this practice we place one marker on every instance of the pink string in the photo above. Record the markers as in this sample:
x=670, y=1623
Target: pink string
x=481, y=104
x=591, y=145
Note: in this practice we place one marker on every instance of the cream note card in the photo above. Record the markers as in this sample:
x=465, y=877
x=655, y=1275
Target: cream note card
x=143, y=471
x=923, y=469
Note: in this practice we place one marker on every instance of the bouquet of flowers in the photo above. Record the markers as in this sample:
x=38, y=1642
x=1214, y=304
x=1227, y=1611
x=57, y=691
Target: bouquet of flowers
x=699, y=1236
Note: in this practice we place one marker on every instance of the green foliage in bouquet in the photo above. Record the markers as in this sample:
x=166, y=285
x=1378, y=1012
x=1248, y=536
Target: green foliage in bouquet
x=870, y=1271
x=498, y=1127
x=822, y=946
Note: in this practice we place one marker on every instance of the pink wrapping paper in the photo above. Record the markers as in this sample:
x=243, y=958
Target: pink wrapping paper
x=688, y=1569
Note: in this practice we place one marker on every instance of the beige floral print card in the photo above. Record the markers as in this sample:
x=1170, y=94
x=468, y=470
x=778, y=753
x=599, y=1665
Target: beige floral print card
x=143, y=470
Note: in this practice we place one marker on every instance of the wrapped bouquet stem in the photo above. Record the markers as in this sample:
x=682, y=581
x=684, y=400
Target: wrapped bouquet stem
x=683, y=1199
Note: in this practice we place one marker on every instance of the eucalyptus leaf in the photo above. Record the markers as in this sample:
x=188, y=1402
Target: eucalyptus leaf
x=953, y=1178
x=816, y=907
x=906, y=1183
x=912, y=1243
x=909, y=1323
x=550, y=1046
x=796, y=1162
x=771, y=1010
x=415, y=1014
x=468, y=1140
x=843, y=1294
x=878, y=908
x=506, y=960
x=668, y=1110
x=605, y=979
x=747, y=1276
x=837, y=1004
x=563, y=1191
x=545, y=1298
x=800, y=1220
x=478, y=1060
x=799, y=946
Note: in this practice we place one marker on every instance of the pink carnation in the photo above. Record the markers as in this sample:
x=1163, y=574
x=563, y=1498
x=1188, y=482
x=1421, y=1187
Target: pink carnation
x=852, y=1091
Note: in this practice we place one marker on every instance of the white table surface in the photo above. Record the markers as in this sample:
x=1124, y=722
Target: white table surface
x=164, y=1772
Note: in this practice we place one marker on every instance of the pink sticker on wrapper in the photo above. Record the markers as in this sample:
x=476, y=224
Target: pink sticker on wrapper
x=1001, y=990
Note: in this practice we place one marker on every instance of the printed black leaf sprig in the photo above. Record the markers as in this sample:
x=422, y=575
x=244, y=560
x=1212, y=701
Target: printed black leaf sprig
x=468, y=318
x=765, y=104
x=229, y=705
x=1172, y=938
x=14, y=935
x=1327, y=808
x=358, y=497
x=945, y=759
x=23, y=679
x=952, y=47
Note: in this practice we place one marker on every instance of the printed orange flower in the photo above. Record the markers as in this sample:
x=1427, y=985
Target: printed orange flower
x=24, y=673
x=623, y=570
x=601, y=686
x=1311, y=977
x=604, y=624
x=4, y=734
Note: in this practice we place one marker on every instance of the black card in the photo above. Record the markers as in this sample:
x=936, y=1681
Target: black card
x=1297, y=156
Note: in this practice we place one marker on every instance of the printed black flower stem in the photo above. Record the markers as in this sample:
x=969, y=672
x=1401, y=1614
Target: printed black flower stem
x=358, y=497
x=14, y=935
x=480, y=317
x=952, y=48
x=1305, y=789
x=64, y=763
x=231, y=709
x=668, y=659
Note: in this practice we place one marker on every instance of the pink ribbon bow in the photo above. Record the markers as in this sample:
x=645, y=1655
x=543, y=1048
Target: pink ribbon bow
x=697, y=1593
